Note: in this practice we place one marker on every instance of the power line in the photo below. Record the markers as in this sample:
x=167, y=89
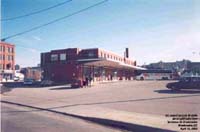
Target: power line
x=36, y=12
x=56, y=20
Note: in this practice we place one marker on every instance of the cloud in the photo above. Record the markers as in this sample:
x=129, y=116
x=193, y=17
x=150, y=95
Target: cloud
x=167, y=43
x=184, y=46
x=36, y=38
x=33, y=50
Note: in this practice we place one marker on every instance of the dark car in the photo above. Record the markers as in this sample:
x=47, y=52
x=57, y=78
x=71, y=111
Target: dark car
x=77, y=84
x=185, y=83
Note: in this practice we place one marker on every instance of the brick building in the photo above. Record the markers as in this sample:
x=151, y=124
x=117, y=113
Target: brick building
x=7, y=61
x=34, y=73
x=66, y=65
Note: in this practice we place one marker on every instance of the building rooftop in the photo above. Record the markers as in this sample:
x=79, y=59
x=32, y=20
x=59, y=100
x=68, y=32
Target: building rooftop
x=5, y=43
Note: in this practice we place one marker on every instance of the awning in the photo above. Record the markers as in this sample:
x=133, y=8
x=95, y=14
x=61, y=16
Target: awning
x=104, y=62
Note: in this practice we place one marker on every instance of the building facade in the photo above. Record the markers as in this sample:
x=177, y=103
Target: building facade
x=34, y=73
x=7, y=61
x=178, y=66
x=66, y=65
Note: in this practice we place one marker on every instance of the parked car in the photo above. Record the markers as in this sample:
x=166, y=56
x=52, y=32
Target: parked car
x=185, y=83
x=29, y=81
x=76, y=84
x=16, y=78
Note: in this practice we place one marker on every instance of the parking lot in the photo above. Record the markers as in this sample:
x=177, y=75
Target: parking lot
x=139, y=96
x=151, y=98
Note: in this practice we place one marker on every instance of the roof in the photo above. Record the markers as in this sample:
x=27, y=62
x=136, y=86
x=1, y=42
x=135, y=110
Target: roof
x=154, y=71
x=5, y=43
x=105, y=62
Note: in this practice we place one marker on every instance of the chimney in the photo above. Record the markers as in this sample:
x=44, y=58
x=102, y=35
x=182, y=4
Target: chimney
x=127, y=53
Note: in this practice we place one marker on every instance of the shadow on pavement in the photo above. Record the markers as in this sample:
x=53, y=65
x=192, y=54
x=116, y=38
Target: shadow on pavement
x=63, y=88
x=8, y=86
x=125, y=126
x=4, y=89
x=20, y=85
x=182, y=91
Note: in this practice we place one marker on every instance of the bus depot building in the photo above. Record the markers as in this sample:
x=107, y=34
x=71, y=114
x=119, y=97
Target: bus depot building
x=74, y=64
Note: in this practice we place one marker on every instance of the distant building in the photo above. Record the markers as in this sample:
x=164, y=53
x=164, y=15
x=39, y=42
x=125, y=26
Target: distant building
x=32, y=73
x=66, y=65
x=178, y=66
x=7, y=61
x=194, y=67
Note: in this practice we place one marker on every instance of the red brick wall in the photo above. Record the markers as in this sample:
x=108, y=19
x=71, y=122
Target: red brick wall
x=66, y=71
x=5, y=53
x=115, y=57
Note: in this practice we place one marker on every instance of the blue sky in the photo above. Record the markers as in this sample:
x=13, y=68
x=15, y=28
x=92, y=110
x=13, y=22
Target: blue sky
x=153, y=30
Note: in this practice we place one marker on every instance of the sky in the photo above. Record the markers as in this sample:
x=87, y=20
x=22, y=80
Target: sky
x=153, y=30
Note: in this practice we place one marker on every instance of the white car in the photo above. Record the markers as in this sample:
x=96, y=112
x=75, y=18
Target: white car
x=16, y=78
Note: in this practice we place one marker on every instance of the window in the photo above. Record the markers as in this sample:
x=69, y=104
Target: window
x=62, y=56
x=91, y=54
x=104, y=55
x=54, y=57
x=8, y=49
x=8, y=66
x=101, y=54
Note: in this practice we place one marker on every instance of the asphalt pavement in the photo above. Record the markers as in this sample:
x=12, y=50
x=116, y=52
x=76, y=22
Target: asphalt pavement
x=136, y=102
x=20, y=119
